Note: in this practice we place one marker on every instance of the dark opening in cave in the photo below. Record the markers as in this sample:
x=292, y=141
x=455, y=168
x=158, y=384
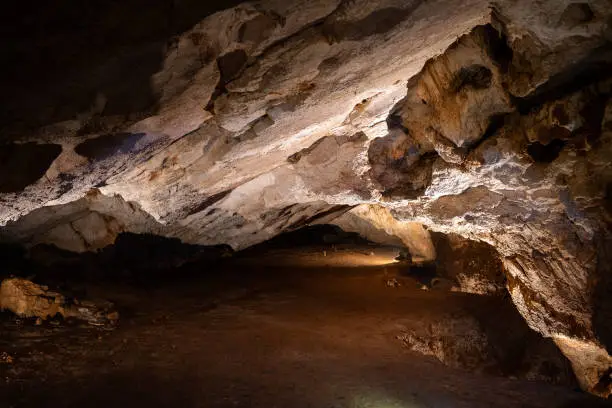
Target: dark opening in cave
x=545, y=153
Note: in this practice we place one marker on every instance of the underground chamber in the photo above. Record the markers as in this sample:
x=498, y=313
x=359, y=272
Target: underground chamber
x=333, y=203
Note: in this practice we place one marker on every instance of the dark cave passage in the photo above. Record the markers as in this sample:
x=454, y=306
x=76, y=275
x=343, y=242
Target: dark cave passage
x=313, y=317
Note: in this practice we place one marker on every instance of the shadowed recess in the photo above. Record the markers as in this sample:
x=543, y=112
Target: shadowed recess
x=378, y=22
x=474, y=76
x=545, y=153
x=23, y=164
x=209, y=201
x=82, y=47
x=105, y=146
x=231, y=64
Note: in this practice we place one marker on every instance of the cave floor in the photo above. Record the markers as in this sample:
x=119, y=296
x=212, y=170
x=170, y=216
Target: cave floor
x=251, y=335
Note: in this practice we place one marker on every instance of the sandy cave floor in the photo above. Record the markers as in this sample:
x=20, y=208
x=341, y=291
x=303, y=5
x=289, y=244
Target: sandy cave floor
x=247, y=334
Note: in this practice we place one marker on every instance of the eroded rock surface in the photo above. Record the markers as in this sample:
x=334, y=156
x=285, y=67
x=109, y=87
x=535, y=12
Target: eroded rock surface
x=539, y=198
x=499, y=345
x=27, y=299
x=493, y=123
x=472, y=266
x=377, y=224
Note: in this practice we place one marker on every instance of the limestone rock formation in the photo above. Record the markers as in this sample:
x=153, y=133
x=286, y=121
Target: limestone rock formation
x=473, y=266
x=462, y=340
x=27, y=299
x=492, y=122
x=376, y=223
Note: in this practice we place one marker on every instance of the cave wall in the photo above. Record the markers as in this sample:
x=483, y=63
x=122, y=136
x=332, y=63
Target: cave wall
x=472, y=266
x=488, y=122
x=377, y=224
x=536, y=189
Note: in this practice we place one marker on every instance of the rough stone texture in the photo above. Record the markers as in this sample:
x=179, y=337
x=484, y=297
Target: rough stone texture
x=472, y=266
x=273, y=115
x=450, y=103
x=461, y=340
x=543, y=210
x=457, y=342
x=376, y=223
x=87, y=224
x=588, y=361
x=28, y=299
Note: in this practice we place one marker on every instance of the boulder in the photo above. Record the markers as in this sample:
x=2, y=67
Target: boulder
x=28, y=299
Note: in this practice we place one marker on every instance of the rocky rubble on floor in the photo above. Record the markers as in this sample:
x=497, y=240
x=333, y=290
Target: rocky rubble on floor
x=28, y=299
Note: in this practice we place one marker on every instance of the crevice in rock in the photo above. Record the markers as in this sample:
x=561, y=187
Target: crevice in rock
x=473, y=76
x=254, y=128
x=411, y=185
x=496, y=122
x=588, y=135
x=395, y=120
x=379, y=22
x=545, y=153
x=604, y=384
x=596, y=67
x=296, y=157
x=576, y=14
x=328, y=214
x=231, y=65
x=105, y=146
x=208, y=202
x=496, y=44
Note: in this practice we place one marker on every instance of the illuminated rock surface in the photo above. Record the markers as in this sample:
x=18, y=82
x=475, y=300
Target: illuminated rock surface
x=27, y=299
x=492, y=123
